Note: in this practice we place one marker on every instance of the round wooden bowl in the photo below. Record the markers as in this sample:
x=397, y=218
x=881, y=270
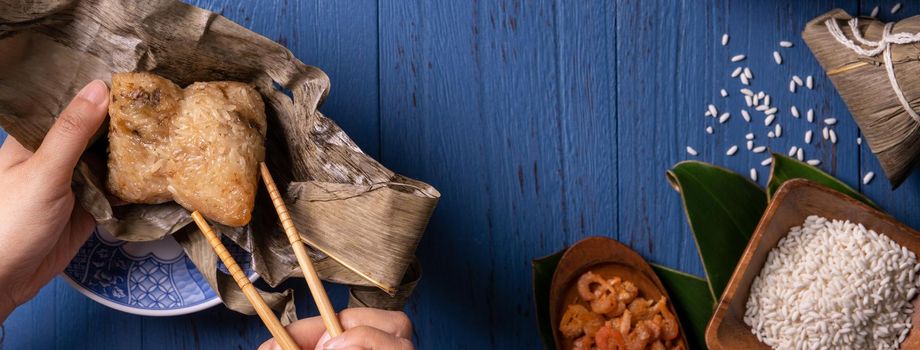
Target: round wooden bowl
x=608, y=258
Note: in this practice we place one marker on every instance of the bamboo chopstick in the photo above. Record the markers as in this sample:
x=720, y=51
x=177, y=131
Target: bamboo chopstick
x=300, y=251
x=268, y=317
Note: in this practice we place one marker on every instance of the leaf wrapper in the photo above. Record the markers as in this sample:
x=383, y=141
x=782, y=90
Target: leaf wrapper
x=692, y=300
x=543, y=270
x=786, y=168
x=723, y=209
x=892, y=134
x=364, y=221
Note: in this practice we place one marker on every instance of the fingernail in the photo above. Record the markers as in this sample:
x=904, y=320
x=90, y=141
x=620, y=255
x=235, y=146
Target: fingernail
x=334, y=344
x=270, y=345
x=95, y=92
x=322, y=340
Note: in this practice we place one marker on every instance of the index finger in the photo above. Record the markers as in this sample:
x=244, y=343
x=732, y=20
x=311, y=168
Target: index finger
x=393, y=322
x=308, y=332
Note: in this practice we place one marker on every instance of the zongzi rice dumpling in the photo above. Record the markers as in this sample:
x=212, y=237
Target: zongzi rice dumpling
x=200, y=146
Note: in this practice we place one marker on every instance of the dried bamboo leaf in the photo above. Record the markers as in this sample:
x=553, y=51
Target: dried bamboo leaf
x=349, y=207
x=892, y=134
x=200, y=252
x=375, y=298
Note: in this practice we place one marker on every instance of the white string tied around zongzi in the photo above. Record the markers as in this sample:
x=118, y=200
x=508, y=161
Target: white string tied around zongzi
x=877, y=47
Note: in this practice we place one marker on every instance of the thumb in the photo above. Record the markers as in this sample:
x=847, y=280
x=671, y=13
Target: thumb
x=70, y=134
x=367, y=338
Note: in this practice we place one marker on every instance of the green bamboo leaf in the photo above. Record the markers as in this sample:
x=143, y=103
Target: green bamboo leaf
x=723, y=209
x=786, y=168
x=692, y=300
x=543, y=269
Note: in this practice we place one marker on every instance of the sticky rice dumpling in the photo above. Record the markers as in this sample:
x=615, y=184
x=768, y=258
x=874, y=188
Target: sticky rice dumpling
x=142, y=109
x=200, y=146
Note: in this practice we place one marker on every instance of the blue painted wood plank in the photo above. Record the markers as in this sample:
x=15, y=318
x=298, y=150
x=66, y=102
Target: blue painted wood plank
x=512, y=106
x=671, y=65
x=414, y=96
x=586, y=61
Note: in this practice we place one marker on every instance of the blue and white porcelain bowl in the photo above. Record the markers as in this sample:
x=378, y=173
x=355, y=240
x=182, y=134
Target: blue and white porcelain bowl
x=144, y=278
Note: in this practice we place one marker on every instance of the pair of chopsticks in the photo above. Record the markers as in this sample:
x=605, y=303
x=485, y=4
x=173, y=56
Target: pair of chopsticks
x=306, y=264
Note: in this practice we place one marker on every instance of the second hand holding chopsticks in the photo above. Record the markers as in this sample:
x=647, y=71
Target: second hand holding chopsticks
x=282, y=337
x=333, y=327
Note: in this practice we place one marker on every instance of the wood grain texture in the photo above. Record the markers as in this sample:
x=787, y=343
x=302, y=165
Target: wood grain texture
x=540, y=122
x=453, y=86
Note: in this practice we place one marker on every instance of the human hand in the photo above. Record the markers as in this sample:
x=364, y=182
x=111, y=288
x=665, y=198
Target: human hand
x=365, y=329
x=42, y=228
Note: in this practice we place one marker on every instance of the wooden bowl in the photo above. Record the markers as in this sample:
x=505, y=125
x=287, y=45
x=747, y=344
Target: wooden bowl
x=608, y=258
x=795, y=201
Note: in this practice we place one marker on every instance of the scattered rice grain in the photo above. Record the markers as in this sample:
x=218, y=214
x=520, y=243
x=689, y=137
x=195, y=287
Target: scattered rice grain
x=738, y=58
x=736, y=72
x=769, y=119
x=868, y=178
x=691, y=151
x=731, y=150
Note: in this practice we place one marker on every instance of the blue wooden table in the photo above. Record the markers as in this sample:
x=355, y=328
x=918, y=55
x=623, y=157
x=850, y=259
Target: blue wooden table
x=541, y=123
